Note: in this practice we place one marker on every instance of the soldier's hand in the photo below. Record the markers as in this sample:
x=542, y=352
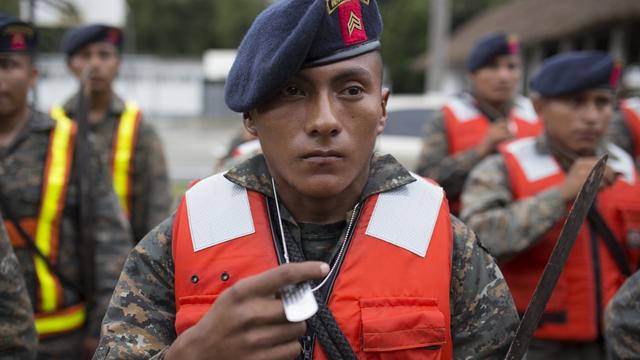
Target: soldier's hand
x=497, y=133
x=247, y=321
x=578, y=174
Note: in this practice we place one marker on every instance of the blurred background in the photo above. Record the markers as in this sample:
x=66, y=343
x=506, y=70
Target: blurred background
x=178, y=52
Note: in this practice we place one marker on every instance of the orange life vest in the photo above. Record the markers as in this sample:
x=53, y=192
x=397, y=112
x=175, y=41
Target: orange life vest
x=466, y=126
x=51, y=317
x=397, y=308
x=124, y=144
x=631, y=110
x=571, y=314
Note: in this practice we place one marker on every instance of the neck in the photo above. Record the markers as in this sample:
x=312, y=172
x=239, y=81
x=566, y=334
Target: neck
x=493, y=108
x=99, y=103
x=12, y=123
x=316, y=210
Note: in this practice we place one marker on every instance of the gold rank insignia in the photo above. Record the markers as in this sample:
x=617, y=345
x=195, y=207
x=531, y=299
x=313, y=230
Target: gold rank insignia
x=354, y=23
x=332, y=5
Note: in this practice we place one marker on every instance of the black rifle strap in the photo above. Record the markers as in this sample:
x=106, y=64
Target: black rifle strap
x=613, y=245
x=31, y=244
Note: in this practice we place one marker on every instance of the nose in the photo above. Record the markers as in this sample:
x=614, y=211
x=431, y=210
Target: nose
x=321, y=119
x=590, y=113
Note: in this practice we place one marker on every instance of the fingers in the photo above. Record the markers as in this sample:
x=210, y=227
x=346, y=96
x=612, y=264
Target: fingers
x=286, y=351
x=273, y=335
x=269, y=282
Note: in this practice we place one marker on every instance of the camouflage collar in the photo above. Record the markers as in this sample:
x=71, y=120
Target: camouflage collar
x=39, y=122
x=115, y=108
x=385, y=174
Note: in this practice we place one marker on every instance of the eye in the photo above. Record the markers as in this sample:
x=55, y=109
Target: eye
x=292, y=90
x=353, y=91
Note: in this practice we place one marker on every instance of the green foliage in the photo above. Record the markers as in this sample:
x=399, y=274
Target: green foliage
x=188, y=27
x=10, y=6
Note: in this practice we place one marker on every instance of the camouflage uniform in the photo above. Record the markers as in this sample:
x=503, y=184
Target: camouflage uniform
x=151, y=192
x=18, y=339
x=21, y=169
x=622, y=321
x=435, y=162
x=140, y=320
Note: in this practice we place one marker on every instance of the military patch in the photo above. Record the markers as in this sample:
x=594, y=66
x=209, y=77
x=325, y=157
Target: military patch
x=351, y=22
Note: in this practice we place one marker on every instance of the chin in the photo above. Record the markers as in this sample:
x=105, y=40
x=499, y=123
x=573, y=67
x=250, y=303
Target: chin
x=322, y=186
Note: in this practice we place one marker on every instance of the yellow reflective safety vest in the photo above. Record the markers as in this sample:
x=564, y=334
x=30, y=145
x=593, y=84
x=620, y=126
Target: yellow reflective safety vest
x=124, y=142
x=51, y=317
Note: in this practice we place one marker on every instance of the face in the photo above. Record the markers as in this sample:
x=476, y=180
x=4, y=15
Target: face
x=497, y=82
x=17, y=75
x=577, y=122
x=319, y=133
x=101, y=60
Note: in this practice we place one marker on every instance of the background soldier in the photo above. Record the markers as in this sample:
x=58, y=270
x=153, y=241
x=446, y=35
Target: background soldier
x=130, y=145
x=474, y=123
x=18, y=339
x=308, y=78
x=622, y=321
x=39, y=200
x=517, y=200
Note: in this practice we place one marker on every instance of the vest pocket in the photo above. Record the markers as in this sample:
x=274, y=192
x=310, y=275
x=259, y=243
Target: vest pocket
x=191, y=310
x=399, y=328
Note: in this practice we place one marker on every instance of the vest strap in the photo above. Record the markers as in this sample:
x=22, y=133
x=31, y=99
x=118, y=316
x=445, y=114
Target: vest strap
x=61, y=321
x=123, y=149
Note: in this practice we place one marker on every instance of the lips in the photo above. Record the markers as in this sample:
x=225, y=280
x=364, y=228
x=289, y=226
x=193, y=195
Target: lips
x=322, y=154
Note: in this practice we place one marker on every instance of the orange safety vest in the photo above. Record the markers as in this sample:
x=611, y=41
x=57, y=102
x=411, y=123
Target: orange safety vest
x=571, y=314
x=466, y=126
x=631, y=110
x=124, y=142
x=399, y=310
x=51, y=317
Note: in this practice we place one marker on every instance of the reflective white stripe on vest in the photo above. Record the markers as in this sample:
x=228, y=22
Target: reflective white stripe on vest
x=536, y=166
x=123, y=152
x=633, y=104
x=621, y=163
x=218, y=211
x=462, y=110
x=406, y=216
x=523, y=109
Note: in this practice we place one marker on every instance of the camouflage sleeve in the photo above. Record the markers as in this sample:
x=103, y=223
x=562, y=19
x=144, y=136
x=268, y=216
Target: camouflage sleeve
x=435, y=162
x=622, y=321
x=18, y=338
x=139, y=323
x=620, y=134
x=112, y=236
x=151, y=202
x=504, y=226
x=483, y=316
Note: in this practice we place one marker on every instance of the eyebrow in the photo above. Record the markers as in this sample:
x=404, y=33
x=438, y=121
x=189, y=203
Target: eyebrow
x=348, y=73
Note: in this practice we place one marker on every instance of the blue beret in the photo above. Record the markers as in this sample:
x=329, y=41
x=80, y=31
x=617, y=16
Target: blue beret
x=293, y=34
x=17, y=36
x=80, y=36
x=572, y=72
x=490, y=46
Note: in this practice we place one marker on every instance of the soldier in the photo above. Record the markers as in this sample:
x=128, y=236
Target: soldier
x=517, y=201
x=18, y=339
x=474, y=123
x=39, y=200
x=124, y=140
x=408, y=280
x=622, y=321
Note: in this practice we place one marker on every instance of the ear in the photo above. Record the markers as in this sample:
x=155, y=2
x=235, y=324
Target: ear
x=34, y=73
x=382, y=123
x=539, y=104
x=249, y=123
